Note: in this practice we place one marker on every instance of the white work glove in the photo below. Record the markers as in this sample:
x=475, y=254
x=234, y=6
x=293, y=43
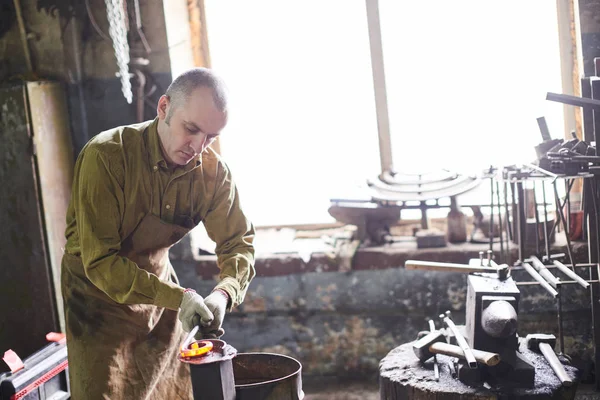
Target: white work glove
x=193, y=311
x=217, y=303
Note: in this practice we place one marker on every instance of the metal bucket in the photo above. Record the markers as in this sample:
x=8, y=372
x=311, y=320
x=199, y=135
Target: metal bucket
x=266, y=376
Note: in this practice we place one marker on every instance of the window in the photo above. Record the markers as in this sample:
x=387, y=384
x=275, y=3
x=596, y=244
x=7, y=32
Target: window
x=466, y=81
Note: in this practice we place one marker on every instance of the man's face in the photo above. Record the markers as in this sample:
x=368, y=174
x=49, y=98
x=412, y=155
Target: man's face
x=188, y=128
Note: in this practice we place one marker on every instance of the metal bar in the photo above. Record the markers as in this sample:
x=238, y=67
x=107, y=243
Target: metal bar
x=491, y=214
x=531, y=283
x=561, y=205
x=568, y=200
x=522, y=220
x=574, y=100
x=546, y=234
x=504, y=258
x=508, y=214
x=537, y=222
x=555, y=364
x=566, y=228
x=534, y=274
x=571, y=274
x=379, y=85
x=559, y=317
x=436, y=368
x=444, y=267
x=462, y=343
x=543, y=271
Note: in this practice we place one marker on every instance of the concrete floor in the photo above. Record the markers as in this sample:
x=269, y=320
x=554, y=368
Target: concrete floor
x=370, y=391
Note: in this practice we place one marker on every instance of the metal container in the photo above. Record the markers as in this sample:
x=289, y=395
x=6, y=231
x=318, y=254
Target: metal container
x=266, y=376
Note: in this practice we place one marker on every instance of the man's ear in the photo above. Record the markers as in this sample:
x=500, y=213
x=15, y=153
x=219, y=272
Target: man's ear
x=163, y=106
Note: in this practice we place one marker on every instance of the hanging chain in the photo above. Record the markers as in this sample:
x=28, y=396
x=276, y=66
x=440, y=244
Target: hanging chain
x=118, y=33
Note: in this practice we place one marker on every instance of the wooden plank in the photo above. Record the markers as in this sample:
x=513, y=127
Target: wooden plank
x=54, y=159
x=28, y=307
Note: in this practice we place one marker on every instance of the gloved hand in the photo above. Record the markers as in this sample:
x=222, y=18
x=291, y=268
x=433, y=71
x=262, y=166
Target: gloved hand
x=193, y=311
x=217, y=303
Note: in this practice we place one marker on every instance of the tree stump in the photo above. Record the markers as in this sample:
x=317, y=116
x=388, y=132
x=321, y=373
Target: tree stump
x=402, y=376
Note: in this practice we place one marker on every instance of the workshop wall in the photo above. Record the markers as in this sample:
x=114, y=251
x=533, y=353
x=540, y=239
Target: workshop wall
x=65, y=46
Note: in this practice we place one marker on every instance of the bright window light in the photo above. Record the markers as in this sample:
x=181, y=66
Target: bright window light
x=302, y=126
x=466, y=81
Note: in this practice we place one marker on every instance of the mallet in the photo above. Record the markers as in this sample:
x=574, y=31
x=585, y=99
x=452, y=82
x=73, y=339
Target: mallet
x=435, y=343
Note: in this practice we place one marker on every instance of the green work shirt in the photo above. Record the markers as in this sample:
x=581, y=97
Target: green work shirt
x=108, y=201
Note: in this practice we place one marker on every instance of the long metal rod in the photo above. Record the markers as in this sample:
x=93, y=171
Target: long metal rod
x=546, y=234
x=534, y=274
x=568, y=200
x=501, y=230
x=508, y=214
x=571, y=274
x=561, y=205
x=559, y=317
x=491, y=214
x=565, y=227
x=532, y=283
x=521, y=220
x=379, y=86
x=543, y=271
x=537, y=222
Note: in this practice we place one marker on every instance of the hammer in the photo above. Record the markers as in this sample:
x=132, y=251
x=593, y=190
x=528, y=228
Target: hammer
x=435, y=343
x=503, y=271
x=545, y=344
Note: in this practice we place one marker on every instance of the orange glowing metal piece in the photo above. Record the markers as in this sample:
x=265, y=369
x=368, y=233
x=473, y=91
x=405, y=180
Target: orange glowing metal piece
x=197, y=348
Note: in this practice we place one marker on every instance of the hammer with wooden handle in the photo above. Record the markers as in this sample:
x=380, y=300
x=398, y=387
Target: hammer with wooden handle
x=502, y=270
x=435, y=343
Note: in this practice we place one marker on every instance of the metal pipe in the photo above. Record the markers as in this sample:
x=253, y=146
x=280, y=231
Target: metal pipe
x=539, y=279
x=504, y=259
x=531, y=283
x=571, y=274
x=379, y=85
x=522, y=220
x=546, y=234
x=537, y=222
x=555, y=364
x=566, y=228
x=560, y=320
x=508, y=214
x=543, y=271
x=462, y=343
x=491, y=214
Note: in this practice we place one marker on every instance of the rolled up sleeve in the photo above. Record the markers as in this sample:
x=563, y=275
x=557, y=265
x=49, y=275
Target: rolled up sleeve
x=233, y=234
x=98, y=210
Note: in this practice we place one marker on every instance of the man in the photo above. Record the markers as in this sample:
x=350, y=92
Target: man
x=138, y=190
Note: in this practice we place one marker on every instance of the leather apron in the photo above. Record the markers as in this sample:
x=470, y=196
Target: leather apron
x=121, y=351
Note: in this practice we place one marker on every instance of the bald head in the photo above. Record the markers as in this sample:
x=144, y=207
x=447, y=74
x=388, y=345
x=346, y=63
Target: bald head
x=185, y=84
